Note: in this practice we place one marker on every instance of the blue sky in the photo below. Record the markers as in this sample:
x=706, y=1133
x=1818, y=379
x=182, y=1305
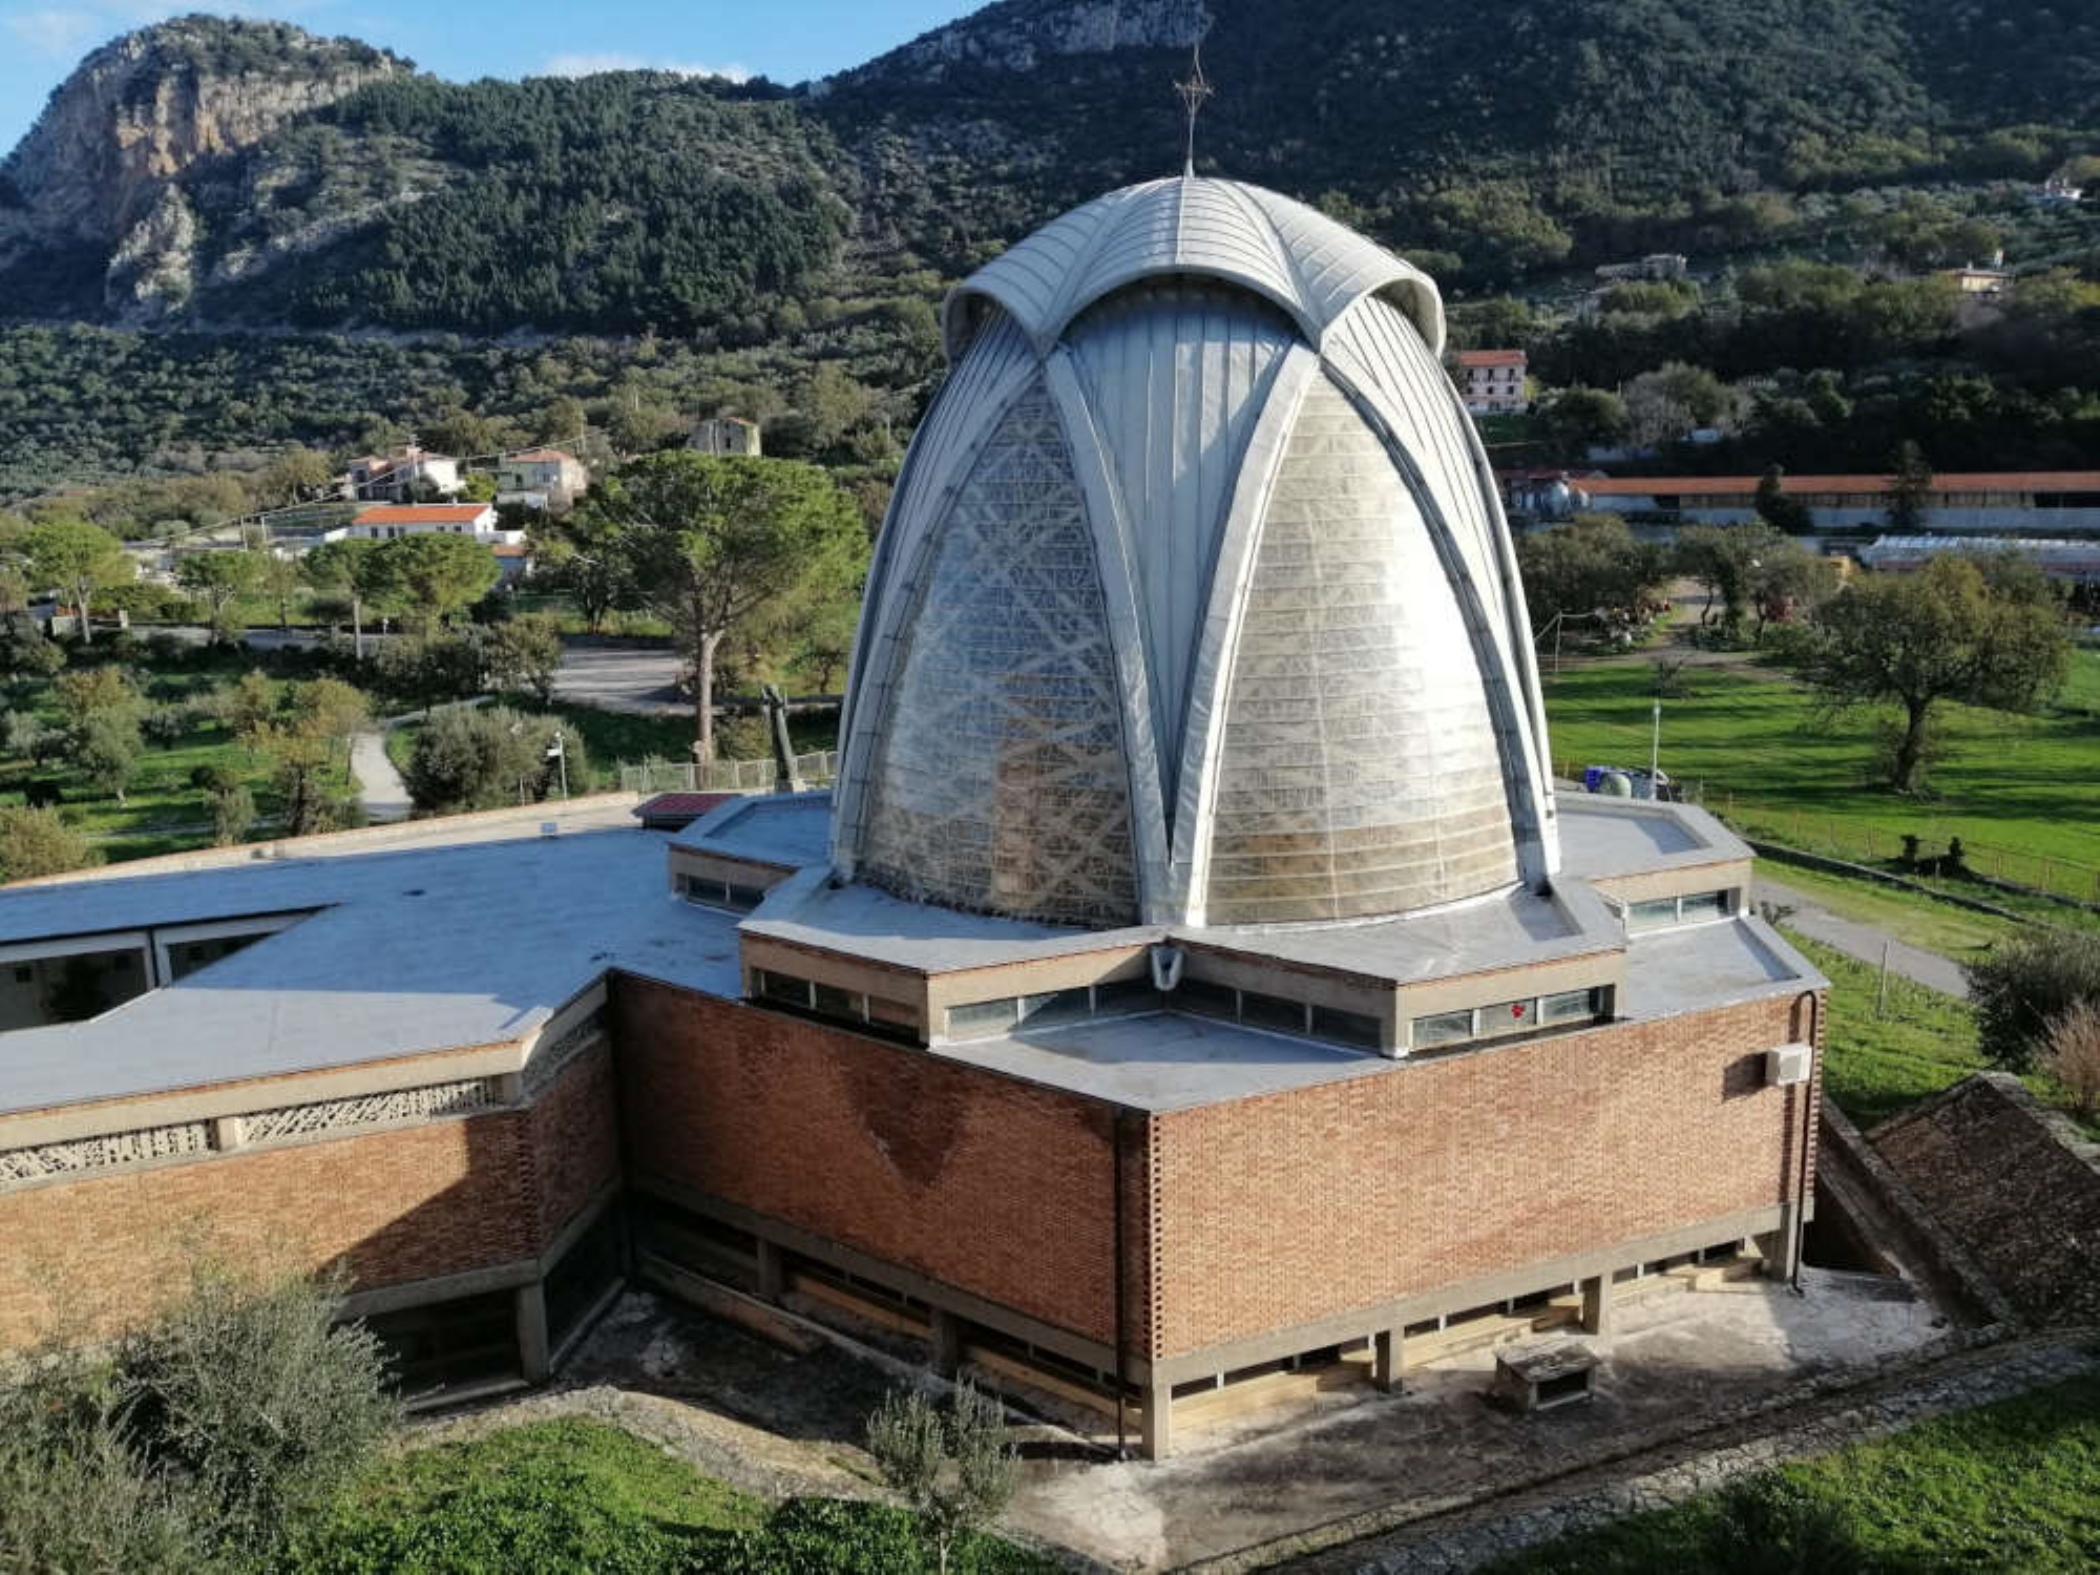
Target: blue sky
x=788, y=40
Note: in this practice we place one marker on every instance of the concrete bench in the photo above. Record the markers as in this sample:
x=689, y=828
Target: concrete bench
x=1543, y=1377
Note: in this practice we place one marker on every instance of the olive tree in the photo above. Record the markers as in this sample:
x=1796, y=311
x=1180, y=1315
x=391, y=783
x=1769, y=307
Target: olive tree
x=219, y=580
x=954, y=1466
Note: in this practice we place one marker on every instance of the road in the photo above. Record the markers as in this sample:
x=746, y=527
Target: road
x=1864, y=941
x=640, y=682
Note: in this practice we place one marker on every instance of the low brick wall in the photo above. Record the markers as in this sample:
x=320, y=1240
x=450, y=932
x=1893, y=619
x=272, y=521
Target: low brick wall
x=2014, y=1184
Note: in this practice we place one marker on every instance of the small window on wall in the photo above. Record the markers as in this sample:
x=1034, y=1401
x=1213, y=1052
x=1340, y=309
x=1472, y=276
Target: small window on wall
x=786, y=989
x=1509, y=1017
x=980, y=1019
x=1444, y=1028
x=1657, y=915
x=1571, y=1006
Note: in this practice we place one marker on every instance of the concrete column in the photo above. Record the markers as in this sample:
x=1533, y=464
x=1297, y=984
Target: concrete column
x=534, y=1356
x=1778, y=1247
x=228, y=1132
x=772, y=1271
x=945, y=1331
x=1597, y=1306
x=1158, y=1437
x=1386, y=1356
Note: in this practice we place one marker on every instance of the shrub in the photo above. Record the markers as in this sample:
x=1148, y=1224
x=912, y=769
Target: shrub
x=256, y=1402
x=2027, y=982
x=73, y=1494
x=484, y=759
x=36, y=842
x=2072, y=1055
x=199, y=1444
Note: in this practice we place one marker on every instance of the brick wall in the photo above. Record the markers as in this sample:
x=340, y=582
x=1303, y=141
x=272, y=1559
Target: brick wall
x=1294, y=1207
x=397, y=1206
x=574, y=1140
x=988, y=1185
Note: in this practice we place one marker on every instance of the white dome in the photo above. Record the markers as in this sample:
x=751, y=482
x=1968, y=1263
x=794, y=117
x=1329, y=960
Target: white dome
x=1195, y=602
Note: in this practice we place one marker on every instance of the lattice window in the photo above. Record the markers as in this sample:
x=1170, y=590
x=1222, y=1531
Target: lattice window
x=50, y=1160
x=999, y=783
x=334, y=1115
x=549, y=1061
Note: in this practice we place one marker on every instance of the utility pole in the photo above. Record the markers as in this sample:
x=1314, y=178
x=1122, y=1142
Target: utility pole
x=1655, y=744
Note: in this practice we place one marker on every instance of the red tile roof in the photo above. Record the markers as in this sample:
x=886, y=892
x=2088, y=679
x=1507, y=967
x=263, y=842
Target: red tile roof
x=423, y=513
x=543, y=456
x=1473, y=358
x=1858, y=486
x=688, y=807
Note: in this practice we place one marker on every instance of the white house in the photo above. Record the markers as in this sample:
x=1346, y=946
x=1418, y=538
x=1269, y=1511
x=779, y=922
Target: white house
x=394, y=477
x=386, y=521
x=726, y=435
x=541, y=478
x=1492, y=382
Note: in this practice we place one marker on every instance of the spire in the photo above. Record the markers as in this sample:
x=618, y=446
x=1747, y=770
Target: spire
x=1194, y=91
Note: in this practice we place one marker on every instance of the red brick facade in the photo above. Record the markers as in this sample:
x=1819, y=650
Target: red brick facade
x=989, y=1185
x=397, y=1206
x=1287, y=1209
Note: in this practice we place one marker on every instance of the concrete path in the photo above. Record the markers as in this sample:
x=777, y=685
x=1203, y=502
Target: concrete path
x=1864, y=942
x=380, y=788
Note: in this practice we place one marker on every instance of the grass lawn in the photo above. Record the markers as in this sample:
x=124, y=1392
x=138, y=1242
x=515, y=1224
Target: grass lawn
x=2008, y=1487
x=2018, y=790
x=1876, y=1064
x=1937, y=926
x=581, y=1498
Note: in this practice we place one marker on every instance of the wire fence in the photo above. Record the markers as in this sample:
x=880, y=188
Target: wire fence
x=724, y=776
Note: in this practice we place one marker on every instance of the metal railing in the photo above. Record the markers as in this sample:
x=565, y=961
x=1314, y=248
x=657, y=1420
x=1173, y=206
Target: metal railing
x=724, y=776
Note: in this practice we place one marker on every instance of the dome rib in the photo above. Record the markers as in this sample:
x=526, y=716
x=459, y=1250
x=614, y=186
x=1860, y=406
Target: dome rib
x=1310, y=266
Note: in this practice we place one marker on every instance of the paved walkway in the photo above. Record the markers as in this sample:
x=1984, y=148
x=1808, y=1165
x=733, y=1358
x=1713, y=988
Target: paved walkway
x=1664, y=1478
x=379, y=785
x=1865, y=942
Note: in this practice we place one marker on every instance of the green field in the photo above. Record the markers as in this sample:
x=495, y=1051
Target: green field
x=162, y=812
x=580, y=1498
x=2011, y=1487
x=1923, y=921
x=1879, y=1061
x=2022, y=792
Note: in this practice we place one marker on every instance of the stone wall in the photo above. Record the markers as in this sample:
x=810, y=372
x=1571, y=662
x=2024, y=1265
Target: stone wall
x=2014, y=1184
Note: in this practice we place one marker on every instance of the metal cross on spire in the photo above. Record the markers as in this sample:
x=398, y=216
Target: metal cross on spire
x=1195, y=91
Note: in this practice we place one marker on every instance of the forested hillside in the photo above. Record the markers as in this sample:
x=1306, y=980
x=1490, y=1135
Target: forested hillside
x=655, y=246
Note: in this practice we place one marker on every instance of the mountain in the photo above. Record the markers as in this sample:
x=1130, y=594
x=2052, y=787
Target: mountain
x=101, y=179
x=235, y=173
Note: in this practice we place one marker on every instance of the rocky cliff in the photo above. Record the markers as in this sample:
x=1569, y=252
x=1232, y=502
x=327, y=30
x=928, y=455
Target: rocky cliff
x=97, y=172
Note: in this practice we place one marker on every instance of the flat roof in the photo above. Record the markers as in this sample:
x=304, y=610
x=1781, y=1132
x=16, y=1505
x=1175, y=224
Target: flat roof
x=1166, y=1061
x=789, y=830
x=403, y=953
x=1865, y=486
x=1603, y=838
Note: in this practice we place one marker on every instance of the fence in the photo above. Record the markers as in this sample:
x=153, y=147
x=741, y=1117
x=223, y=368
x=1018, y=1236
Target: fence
x=724, y=776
